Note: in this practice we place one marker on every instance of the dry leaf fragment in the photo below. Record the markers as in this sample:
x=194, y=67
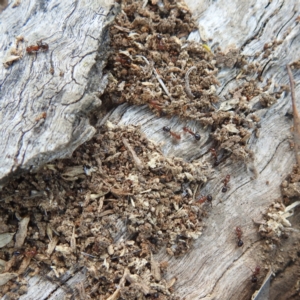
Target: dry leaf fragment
x=25, y=263
x=52, y=245
x=228, y=105
x=231, y=128
x=138, y=282
x=2, y=265
x=5, y=277
x=49, y=232
x=115, y=295
x=22, y=232
x=155, y=269
x=110, y=249
x=171, y=282
x=5, y=238
x=71, y=173
x=10, y=59
x=64, y=249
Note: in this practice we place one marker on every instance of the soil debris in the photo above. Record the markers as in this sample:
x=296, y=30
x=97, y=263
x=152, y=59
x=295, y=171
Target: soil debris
x=117, y=202
x=66, y=216
x=153, y=63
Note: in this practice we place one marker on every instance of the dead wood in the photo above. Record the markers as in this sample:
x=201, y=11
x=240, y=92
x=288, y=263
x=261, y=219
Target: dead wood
x=266, y=34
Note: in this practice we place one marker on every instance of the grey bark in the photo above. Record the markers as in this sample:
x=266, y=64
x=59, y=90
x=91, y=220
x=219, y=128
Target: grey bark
x=61, y=84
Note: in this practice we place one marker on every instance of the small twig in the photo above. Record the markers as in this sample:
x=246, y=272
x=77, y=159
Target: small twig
x=296, y=117
x=136, y=159
x=195, y=192
x=89, y=255
x=81, y=289
x=162, y=84
x=187, y=82
x=157, y=77
x=73, y=240
x=292, y=206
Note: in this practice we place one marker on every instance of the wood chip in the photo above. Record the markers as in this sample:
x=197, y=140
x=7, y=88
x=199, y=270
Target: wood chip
x=5, y=238
x=22, y=232
x=5, y=277
x=155, y=269
x=136, y=159
x=52, y=245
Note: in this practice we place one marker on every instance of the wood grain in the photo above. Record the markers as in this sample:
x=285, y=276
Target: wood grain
x=63, y=82
x=215, y=266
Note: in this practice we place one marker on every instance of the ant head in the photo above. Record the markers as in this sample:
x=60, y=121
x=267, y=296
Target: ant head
x=197, y=136
x=240, y=243
x=224, y=189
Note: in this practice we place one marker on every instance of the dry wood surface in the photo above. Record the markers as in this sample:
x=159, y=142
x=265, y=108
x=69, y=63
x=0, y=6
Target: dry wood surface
x=214, y=268
x=46, y=96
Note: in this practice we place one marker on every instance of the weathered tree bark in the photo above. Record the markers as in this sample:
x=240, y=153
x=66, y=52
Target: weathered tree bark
x=215, y=268
x=46, y=97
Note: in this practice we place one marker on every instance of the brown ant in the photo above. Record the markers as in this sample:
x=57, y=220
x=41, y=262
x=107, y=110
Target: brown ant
x=158, y=106
x=172, y=133
x=239, y=233
x=215, y=156
x=43, y=46
x=205, y=198
x=40, y=46
x=31, y=253
x=124, y=60
x=43, y=115
x=226, y=180
x=27, y=253
x=32, y=49
x=196, y=135
x=160, y=44
x=255, y=273
x=155, y=104
x=213, y=153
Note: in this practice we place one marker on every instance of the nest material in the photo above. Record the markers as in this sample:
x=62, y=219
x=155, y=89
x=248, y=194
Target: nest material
x=70, y=214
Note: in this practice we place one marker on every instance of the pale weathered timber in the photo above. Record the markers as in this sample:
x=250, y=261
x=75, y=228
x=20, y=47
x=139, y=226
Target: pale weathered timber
x=45, y=98
x=216, y=268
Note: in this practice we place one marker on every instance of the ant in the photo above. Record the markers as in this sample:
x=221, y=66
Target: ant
x=215, y=156
x=32, y=49
x=40, y=46
x=155, y=104
x=196, y=135
x=160, y=44
x=124, y=60
x=255, y=273
x=205, y=198
x=43, y=46
x=31, y=253
x=239, y=233
x=43, y=115
x=172, y=133
x=225, y=187
x=27, y=253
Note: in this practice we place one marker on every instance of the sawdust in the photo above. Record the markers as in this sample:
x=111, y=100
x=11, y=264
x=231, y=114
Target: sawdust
x=70, y=212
